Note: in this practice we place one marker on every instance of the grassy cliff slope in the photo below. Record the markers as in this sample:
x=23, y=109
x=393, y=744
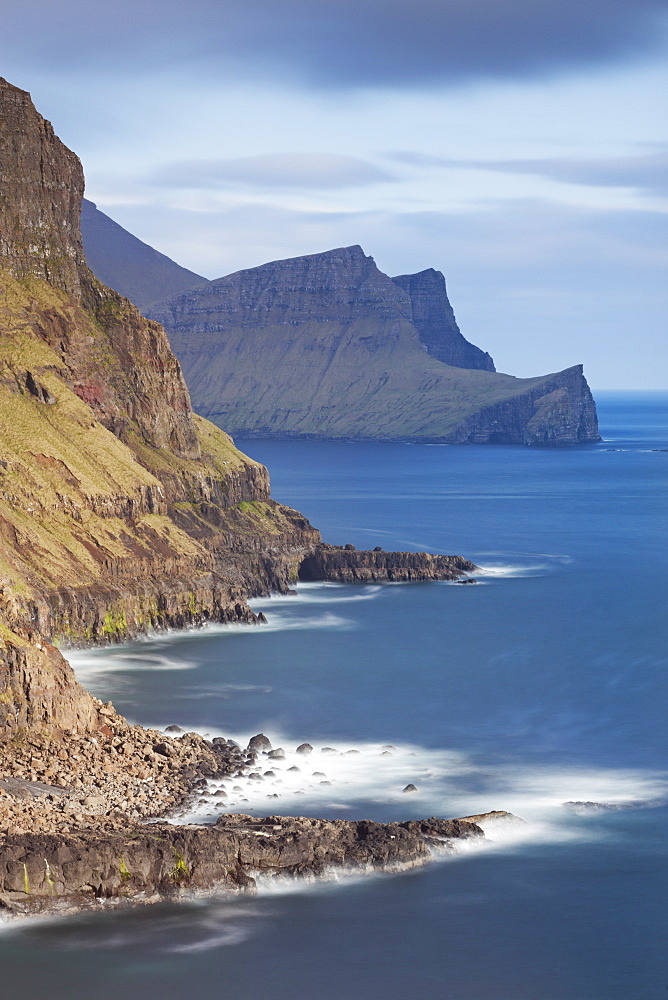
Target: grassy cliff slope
x=329, y=346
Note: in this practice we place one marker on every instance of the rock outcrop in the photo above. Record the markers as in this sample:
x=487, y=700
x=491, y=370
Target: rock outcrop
x=42, y=184
x=116, y=500
x=328, y=346
x=345, y=564
x=123, y=511
x=128, y=265
x=120, y=509
x=47, y=873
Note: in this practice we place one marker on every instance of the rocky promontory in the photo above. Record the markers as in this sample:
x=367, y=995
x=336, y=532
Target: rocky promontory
x=345, y=564
x=76, y=829
x=327, y=346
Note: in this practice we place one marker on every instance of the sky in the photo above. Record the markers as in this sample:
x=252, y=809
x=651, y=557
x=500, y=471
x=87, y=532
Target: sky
x=519, y=146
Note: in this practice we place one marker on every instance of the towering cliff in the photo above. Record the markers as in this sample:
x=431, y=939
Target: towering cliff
x=435, y=322
x=328, y=346
x=128, y=265
x=120, y=509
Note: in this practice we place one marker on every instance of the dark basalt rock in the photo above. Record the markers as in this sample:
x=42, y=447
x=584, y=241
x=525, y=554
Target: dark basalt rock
x=435, y=321
x=259, y=743
x=48, y=873
x=344, y=564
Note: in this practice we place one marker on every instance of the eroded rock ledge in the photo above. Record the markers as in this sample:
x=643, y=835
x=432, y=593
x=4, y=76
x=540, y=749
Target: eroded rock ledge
x=343, y=563
x=49, y=873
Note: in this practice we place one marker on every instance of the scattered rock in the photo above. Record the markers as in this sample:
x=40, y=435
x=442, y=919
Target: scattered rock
x=304, y=748
x=259, y=742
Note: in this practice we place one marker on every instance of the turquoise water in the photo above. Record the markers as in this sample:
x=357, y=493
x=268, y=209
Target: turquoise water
x=543, y=684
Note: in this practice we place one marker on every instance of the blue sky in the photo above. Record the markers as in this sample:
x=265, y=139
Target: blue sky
x=520, y=147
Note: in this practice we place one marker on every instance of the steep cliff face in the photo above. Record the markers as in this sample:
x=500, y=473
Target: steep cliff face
x=120, y=509
x=435, y=322
x=38, y=236
x=328, y=346
x=38, y=689
x=128, y=265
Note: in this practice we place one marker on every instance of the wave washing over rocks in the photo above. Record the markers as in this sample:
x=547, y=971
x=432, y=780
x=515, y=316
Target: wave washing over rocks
x=408, y=778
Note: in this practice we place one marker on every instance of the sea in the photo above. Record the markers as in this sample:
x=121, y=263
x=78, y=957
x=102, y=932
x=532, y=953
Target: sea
x=540, y=690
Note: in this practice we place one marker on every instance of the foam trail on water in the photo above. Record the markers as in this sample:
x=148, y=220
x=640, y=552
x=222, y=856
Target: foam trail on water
x=145, y=653
x=319, y=593
x=349, y=779
x=518, y=564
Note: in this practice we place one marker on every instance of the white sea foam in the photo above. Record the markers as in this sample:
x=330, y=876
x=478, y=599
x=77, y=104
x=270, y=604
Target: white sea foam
x=519, y=564
x=449, y=784
x=318, y=593
x=90, y=664
x=145, y=652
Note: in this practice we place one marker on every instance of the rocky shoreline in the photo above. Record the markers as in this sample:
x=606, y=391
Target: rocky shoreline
x=78, y=828
x=122, y=513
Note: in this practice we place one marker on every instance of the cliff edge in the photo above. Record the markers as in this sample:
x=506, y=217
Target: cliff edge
x=326, y=345
x=121, y=510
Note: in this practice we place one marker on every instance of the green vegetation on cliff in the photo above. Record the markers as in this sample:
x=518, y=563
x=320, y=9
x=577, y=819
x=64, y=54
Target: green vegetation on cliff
x=328, y=346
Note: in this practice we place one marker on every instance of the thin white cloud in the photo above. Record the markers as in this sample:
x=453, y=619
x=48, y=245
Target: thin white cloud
x=273, y=170
x=648, y=172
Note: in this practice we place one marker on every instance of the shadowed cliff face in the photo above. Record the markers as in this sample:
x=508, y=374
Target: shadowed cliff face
x=42, y=182
x=328, y=346
x=435, y=321
x=126, y=264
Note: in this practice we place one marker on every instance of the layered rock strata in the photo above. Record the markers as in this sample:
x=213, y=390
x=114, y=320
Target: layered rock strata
x=120, y=509
x=434, y=320
x=345, y=564
x=327, y=345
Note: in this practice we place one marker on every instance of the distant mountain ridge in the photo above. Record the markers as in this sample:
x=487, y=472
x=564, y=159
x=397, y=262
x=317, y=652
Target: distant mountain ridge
x=127, y=265
x=326, y=345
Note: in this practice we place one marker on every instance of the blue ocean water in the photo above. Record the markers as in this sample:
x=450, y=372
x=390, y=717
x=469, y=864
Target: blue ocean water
x=542, y=684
